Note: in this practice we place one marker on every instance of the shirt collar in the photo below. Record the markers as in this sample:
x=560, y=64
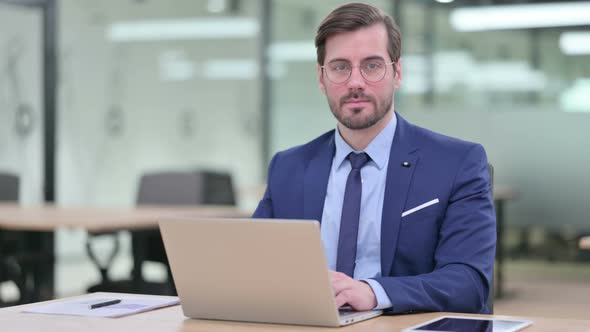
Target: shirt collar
x=378, y=149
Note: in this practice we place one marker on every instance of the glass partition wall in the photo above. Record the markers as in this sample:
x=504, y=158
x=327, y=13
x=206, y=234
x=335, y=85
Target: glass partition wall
x=518, y=87
x=22, y=111
x=152, y=86
x=21, y=104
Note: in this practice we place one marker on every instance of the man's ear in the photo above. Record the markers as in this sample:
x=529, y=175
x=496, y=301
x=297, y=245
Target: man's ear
x=397, y=79
x=321, y=79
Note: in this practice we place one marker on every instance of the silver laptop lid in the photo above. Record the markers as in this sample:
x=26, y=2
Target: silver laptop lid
x=258, y=270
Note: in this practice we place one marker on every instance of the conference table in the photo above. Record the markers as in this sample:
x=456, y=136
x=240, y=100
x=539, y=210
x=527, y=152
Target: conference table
x=49, y=217
x=172, y=319
x=41, y=221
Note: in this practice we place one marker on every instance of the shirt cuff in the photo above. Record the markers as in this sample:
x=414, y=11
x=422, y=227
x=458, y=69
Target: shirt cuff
x=383, y=301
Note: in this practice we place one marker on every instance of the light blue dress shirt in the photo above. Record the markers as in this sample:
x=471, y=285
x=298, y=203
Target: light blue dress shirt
x=373, y=175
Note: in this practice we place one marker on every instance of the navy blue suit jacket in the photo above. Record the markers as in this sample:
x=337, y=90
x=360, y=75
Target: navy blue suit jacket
x=439, y=258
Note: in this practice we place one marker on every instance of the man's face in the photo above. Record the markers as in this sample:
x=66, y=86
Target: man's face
x=359, y=103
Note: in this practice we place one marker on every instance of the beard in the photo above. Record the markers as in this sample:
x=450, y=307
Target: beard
x=355, y=121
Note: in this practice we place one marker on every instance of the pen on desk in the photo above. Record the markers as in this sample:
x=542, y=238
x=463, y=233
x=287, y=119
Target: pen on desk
x=104, y=304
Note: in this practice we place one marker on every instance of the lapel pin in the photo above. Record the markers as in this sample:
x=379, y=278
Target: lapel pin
x=406, y=164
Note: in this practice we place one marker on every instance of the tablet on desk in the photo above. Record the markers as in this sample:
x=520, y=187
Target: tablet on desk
x=470, y=324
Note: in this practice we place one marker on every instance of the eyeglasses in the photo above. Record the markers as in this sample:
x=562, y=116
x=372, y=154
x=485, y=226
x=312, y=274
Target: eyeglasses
x=372, y=70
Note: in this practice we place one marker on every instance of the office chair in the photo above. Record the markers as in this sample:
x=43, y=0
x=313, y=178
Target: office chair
x=165, y=188
x=174, y=188
x=11, y=250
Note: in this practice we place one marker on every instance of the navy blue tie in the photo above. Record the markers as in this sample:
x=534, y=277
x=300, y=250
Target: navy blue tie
x=351, y=211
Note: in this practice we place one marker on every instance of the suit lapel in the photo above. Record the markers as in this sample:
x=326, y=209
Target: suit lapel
x=396, y=190
x=316, y=178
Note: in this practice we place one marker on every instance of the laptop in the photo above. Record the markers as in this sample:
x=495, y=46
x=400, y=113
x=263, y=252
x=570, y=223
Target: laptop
x=254, y=270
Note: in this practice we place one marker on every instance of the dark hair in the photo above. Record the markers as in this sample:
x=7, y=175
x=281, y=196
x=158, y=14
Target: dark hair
x=351, y=17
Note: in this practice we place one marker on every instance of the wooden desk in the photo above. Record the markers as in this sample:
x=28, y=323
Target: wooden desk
x=42, y=221
x=95, y=219
x=172, y=319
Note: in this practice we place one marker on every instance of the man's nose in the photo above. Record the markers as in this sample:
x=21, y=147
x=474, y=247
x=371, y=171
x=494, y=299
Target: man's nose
x=356, y=80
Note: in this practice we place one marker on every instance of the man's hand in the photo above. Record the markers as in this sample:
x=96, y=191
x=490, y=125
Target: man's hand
x=357, y=294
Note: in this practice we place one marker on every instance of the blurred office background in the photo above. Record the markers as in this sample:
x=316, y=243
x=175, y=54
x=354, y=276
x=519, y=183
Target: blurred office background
x=148, y=85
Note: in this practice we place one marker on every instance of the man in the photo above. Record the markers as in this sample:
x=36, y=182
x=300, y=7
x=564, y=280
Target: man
x=407, y=218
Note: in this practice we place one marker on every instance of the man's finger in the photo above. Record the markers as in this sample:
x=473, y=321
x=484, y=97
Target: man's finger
x=339, y=276
x=336, y=275
x=342, y=298
x=340, y=282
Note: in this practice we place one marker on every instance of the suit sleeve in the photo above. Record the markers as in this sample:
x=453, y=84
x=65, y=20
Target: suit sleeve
x=265, y=207
x=464, y=256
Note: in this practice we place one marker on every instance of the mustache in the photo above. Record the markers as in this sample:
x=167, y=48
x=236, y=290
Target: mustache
x=355, y=95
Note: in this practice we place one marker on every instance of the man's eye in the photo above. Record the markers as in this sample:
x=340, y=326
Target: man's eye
x=340, y=67
x=372, y=65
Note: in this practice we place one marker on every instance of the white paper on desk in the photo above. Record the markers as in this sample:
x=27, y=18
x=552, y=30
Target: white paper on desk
x=129, y=305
